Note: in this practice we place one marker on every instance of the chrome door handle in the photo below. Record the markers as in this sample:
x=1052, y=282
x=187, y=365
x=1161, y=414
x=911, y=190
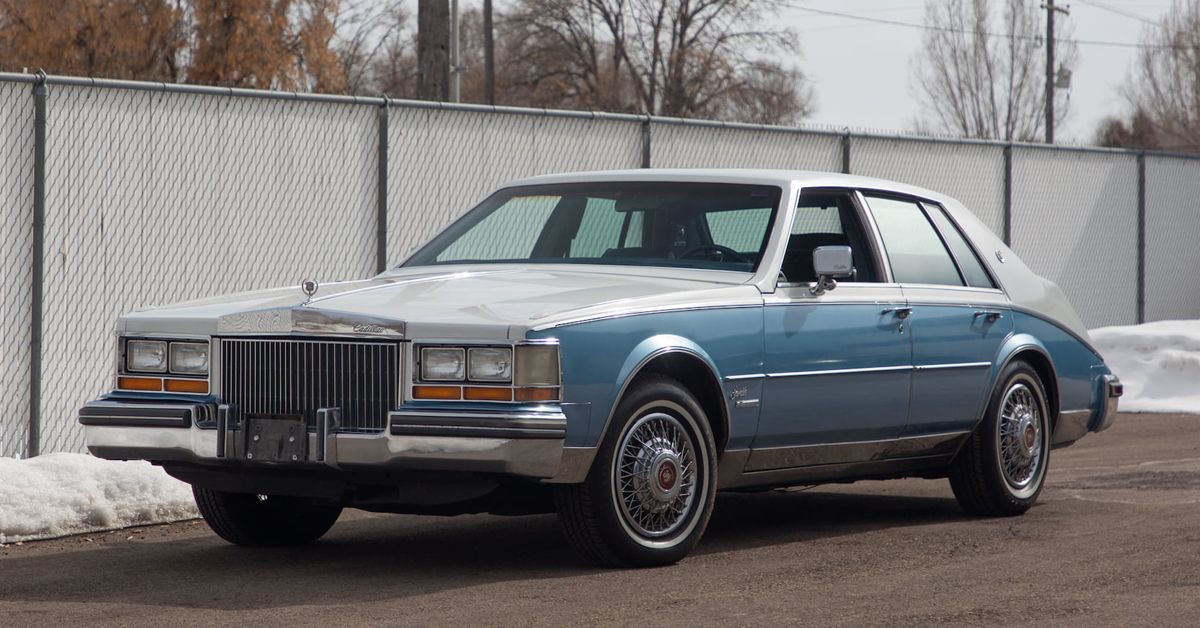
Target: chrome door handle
x=901, y=312
x=990, y=315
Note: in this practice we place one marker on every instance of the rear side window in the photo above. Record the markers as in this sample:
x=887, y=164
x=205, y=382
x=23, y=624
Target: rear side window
x=914, y=249
x=971, y=267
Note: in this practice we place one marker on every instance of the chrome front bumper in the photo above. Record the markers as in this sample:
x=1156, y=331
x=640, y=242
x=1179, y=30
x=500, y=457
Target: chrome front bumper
x=528, y=444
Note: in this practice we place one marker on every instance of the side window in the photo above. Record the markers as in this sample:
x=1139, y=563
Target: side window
x=739, y=229
x=504, y=234
x=824, y=219
x=971, y=267
x=914, y=249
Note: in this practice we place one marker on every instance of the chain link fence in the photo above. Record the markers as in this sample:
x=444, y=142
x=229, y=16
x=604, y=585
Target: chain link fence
x=158, y=193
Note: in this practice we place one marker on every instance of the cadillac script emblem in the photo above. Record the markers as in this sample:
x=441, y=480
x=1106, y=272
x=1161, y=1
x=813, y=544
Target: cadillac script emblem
x=309, y=288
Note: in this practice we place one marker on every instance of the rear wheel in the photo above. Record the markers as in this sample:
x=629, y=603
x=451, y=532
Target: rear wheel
x=1002, y=468
x=649, y=494
x=262, y=520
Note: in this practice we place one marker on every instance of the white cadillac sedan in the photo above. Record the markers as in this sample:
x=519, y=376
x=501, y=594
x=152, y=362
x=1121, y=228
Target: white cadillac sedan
x=618, y=346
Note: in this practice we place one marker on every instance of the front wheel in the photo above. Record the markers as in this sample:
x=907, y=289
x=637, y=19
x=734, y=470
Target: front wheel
x=1002, y=467
x=261, y=520
x=649, y=494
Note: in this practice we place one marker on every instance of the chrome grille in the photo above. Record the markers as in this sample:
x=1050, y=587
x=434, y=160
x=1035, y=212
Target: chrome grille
x=300, y=376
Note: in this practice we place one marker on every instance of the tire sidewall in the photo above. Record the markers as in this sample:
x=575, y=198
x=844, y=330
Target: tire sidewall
x=654, y=395
x=1015, y=373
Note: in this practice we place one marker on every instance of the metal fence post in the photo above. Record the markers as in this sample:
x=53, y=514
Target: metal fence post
x=1008, y=194
x=1141, y=238
x=39, y=232
x=846, y=151
x=646, y=142
x=381, y=192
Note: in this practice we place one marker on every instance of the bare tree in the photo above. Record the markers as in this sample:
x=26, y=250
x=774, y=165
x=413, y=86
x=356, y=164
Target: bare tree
x=268, y=44
x=980, y=71
x=132, y=39
x=669, y=57
x=1163, y=92
x=1138, y=132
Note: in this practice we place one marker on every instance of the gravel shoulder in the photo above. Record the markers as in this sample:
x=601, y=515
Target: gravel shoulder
x=1115, y=539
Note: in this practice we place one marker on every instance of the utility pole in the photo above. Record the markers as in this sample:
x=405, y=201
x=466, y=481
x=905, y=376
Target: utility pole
x=1050, y=73
x=433, y=45
x=455, y=70
x=489, y=55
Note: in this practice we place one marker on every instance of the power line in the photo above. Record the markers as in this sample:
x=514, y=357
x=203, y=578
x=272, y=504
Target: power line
x=1123, y=13
x=946, y=29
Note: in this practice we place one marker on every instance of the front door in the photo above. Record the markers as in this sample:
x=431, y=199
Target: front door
x=838, y=365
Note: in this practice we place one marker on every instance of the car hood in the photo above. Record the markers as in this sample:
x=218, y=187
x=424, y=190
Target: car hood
x=450, y=303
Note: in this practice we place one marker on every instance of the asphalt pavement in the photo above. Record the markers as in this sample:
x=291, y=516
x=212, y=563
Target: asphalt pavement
x=1114, y=540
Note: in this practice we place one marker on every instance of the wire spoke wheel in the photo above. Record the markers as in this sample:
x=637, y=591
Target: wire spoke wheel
x=655, y=475
x=1020, y=437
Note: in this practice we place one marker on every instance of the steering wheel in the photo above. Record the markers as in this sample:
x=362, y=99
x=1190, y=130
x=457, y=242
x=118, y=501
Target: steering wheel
x=727, y=254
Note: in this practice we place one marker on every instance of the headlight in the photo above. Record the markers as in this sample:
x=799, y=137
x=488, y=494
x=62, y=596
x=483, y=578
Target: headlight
x=443, y=364
x=189, y=358
x=489, y=364
x=537, y=365
x=146, y=356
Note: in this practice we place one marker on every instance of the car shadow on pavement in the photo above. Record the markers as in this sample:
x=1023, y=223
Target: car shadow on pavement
x=371, y=558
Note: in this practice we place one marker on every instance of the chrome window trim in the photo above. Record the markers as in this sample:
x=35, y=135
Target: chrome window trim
x=987, y=270
x=876, y=237
x=917, y=201
x=870, y=234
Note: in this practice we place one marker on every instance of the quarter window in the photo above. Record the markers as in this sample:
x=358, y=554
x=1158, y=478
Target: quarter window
x=971, y=267
x=914, y=249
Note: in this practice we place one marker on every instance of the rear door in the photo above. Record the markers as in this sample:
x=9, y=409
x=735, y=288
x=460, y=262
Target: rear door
x=959, y=318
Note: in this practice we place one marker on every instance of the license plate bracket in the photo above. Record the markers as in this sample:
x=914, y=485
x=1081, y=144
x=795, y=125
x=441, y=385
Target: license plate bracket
x=276, y=438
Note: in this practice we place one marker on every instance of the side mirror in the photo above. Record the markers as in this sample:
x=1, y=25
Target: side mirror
x=829, y=264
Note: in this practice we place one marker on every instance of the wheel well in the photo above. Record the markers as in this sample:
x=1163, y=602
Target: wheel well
x=1045, y=370
x=694, y=374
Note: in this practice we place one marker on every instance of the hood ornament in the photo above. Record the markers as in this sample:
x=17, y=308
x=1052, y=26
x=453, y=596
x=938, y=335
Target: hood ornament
x=309, y=288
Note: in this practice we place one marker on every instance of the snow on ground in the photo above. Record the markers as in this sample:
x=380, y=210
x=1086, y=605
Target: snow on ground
x=1159, y=363
x=59, y=494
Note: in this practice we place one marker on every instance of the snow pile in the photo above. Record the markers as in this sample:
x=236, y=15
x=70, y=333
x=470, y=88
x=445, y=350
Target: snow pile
x=1159, y=363
x=59, y=494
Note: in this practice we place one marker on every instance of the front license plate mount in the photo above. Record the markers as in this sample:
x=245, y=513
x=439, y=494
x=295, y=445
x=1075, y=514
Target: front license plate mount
x=276, y=438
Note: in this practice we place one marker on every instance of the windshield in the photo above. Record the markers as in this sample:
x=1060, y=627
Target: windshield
x=715, y=226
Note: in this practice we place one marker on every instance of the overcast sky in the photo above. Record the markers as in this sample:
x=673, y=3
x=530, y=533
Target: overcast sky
x=861, y=71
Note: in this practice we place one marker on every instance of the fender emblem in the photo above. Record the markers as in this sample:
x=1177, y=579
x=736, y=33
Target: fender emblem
x=739, y=392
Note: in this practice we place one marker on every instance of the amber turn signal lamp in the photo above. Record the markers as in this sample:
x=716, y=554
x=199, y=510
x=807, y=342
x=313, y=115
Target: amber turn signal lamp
x=478, y=393
x=139, y=383
x=436, y=392
x=537, y=394
x=194, y=386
